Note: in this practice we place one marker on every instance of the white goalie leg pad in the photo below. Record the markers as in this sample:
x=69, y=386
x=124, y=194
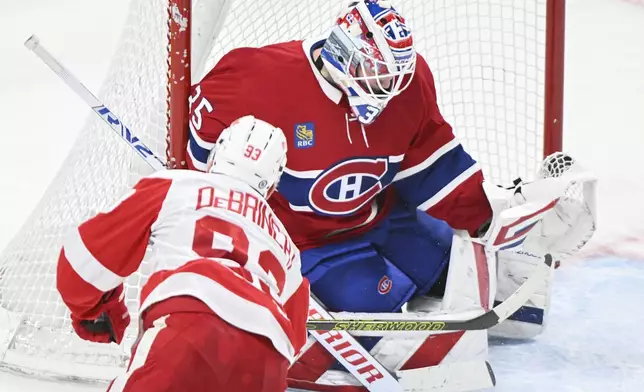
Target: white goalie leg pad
x=422, y=361
x=471, y=284
x=471, y=279
x=514, y=267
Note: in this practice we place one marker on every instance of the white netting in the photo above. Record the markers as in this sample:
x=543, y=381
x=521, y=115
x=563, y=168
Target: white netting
x=97, y=171
x=487, y=57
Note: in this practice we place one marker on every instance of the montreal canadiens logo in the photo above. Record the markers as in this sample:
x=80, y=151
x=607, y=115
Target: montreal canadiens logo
x=347, y=186
x=385, y=284
x=396, y=30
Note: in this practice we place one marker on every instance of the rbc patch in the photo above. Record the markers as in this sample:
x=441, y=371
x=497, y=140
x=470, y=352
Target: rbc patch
x=304, y=135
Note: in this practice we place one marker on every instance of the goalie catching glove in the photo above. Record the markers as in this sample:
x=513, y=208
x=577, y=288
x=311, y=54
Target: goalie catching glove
x=553, y=214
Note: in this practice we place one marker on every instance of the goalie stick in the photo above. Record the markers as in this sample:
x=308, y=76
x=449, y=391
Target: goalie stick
x=352, y=355
x=485, y=321
x=376, y=378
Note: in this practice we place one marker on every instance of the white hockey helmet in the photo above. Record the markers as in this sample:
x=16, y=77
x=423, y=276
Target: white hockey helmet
x=370, y=55
x=250, y=150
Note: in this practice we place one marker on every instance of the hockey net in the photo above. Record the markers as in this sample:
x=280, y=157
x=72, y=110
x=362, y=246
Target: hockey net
x=498, y=69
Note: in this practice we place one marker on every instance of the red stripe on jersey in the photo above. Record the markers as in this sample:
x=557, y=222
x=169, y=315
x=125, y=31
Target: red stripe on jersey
x=433, y=350
x=483, y=275
x=293, y=308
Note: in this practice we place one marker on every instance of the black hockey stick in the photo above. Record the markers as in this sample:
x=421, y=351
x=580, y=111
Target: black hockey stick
x=485, y=321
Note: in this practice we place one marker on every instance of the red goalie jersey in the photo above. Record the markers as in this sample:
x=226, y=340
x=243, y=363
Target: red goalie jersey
x=342, y=178
x=211, y=237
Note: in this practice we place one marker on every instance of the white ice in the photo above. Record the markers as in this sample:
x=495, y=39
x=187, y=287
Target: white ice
x=594, y=341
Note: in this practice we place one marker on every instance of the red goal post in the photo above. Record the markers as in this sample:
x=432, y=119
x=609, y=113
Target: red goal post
x=554, y=79
x=179, y=81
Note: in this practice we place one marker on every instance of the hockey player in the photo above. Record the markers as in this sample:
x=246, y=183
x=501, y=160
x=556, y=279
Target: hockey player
x=376, y=181
x=225, y=306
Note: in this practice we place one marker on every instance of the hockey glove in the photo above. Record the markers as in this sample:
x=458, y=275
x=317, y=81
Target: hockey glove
x=110, y=325
x=525, y=214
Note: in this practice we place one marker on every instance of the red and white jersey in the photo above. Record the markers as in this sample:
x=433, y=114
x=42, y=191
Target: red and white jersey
x=211, y=237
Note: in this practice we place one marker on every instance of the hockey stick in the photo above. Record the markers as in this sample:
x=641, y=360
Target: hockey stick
x=362, y=365
x=102, y=323
x=485, y=321
x=371, y=374
x=97, y=106
x=376, y=378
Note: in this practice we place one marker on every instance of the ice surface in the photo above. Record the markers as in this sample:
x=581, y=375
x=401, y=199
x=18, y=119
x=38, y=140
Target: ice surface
x=594, y=341
x=603, y=114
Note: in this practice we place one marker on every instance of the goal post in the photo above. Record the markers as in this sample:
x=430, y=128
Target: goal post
x=179, y=81
x=498, y=66
x=554, y=76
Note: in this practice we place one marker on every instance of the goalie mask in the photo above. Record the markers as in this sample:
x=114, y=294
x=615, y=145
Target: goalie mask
x=369, y=54
x=250, y=150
